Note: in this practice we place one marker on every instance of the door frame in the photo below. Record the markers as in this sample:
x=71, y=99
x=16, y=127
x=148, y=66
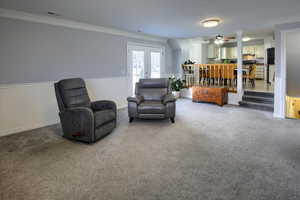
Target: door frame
x=147, y=47
x=281, y=68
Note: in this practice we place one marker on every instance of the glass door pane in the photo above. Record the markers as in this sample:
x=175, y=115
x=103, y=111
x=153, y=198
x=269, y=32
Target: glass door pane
x=138, y=66
x=155, y=64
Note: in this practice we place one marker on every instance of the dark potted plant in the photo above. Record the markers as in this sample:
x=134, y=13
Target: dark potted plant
x=176, y=86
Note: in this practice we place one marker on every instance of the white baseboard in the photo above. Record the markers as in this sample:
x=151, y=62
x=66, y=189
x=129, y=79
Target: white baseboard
x=35, y=126
x=275, y=115
x=27, y=127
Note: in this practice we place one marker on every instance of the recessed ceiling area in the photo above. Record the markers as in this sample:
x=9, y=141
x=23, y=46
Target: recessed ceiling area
x=169, y=18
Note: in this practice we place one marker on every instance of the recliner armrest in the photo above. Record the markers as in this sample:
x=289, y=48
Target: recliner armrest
x=86, y=112
x=78, y=122
x=169, y=98
x=136, y=99
x=103, y=105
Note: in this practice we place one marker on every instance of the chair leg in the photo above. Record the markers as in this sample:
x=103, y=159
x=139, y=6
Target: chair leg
x=172, y=120
x=130, y=119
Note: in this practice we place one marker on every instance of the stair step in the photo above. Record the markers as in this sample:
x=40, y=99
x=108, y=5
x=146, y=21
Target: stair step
x=258, y=106
x=260, y=94
x=258, y=99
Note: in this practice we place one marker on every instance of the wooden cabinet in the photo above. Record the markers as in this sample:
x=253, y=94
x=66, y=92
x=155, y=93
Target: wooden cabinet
x=228, y=52
x=257, y=50
x=260, y=51
x=249, y=50
x=210, y=94
x=224, y=53
x=232, y=52
x=213, y=51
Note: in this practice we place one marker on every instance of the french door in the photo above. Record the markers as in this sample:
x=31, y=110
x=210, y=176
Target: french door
x=144, y=62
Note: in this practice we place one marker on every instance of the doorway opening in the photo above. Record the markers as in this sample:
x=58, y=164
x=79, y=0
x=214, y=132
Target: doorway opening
x=258, y=77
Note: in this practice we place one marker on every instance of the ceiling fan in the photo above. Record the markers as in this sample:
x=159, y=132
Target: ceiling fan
x=226, y=39
x=220, y=39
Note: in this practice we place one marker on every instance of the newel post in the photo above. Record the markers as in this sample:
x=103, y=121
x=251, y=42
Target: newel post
x=240, y=64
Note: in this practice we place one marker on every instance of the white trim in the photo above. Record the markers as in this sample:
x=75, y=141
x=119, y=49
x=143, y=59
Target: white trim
x=283, y=76
x=141, y=44
x=280, y=82
x=9, y=86
x=278, y=116
x=27, y=127
x=30, y=84
x=36, y=126
x=43, y=19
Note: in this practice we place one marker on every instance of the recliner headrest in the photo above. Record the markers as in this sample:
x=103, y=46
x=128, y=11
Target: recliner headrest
x=71, y=83
x=154, y=83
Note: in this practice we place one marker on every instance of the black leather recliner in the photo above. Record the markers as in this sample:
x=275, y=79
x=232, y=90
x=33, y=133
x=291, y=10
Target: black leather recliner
x=153, y=100
x=80, y=118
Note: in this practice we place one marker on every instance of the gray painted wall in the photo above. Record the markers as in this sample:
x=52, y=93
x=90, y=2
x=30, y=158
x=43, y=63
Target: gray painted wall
x=293, y=63
x=33, y=52
x=177, y=60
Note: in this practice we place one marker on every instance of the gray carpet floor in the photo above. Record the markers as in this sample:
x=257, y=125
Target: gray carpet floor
x=210, y=153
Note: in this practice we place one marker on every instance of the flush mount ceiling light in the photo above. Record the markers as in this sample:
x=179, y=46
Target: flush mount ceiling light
x=246, y=39
x=210, y=23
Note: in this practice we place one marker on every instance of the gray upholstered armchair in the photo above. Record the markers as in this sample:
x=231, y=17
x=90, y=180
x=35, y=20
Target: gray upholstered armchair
x=80, y=118
x=153, y=100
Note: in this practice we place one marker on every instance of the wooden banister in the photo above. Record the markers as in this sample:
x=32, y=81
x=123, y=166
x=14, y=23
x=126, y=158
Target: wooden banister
x=211, y=75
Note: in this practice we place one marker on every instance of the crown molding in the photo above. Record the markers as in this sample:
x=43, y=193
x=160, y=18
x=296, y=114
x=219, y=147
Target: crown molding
x=57, y=21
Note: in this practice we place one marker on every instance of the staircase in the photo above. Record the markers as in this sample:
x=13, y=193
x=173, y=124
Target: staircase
x=258, y=100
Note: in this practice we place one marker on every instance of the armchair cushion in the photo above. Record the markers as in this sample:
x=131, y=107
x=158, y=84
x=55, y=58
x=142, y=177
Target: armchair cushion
x=137, y=99
x=168, y=98
x=104, y=116
x=151, y=107
x=103, y=105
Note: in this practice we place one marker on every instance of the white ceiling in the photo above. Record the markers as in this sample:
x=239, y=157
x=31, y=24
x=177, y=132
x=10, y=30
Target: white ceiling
x=169, y=18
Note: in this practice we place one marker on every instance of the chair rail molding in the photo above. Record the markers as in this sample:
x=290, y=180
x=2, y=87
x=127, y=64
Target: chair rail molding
x=58, y=21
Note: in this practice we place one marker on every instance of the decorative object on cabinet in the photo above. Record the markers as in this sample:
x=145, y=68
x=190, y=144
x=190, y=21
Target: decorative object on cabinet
x=216, y=95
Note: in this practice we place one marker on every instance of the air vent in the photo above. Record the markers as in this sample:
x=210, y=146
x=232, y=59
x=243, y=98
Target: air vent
x=53, y=14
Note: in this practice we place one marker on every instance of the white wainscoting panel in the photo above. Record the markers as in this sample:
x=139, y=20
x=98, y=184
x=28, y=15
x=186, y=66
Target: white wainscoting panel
x=29, y=106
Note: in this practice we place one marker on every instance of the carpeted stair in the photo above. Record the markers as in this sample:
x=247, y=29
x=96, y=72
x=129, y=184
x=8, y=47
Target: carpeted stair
x=258, y=100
